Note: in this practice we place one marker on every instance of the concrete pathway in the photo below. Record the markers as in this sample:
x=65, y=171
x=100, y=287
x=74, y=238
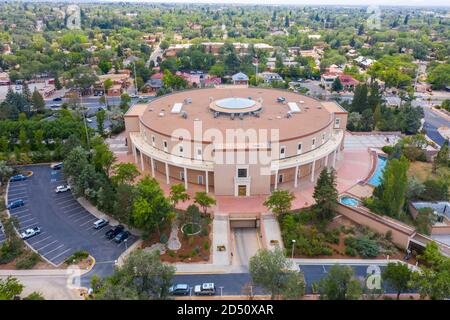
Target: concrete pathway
x=174, y=243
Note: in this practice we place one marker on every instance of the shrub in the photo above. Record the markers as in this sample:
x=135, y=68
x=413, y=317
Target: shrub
x=171, y=253
x=163, y=239
x=388, y=235
x=76, y=257
x=27, y=261
x=206, y=245
x=367, y=248
x=387, y=149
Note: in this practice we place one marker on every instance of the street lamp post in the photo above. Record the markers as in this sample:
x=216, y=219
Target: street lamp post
x=293, y=247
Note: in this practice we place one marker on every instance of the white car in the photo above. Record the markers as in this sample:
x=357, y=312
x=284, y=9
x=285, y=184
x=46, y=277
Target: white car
x=205, y=289
x=62, y=188
x=30, y=233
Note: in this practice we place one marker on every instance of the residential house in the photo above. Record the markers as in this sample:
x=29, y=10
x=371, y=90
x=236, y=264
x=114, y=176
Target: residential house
x=154, y=83
x=364, y=62
x=121, y=81
x=240, y=79
x=270, y=77
x=130, y=60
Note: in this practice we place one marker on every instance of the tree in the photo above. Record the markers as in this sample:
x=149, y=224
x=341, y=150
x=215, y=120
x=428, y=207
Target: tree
x=142, y=277
x=178, y=193
x=100, y=115
x=393, y=187
x=37, y=100
x=337, y=85
x=124, y=173
x=105, y=66
x=280, y=201
x=5, y=171
x=326, y=195
x=397, y=275
x=442, y=157
x=359, y=102
x=151, y=210
x=339, y=284
x=204, y=201
x=34, y=296
x=272, y=271
x=75, y=161
x=9, y=288
x=103, y=158
x=439, y=76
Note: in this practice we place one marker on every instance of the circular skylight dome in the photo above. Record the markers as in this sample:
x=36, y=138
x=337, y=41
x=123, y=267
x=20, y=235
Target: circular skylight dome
x=235, y=103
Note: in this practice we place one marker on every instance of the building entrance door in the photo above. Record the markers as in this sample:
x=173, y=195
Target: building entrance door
x=242, y=191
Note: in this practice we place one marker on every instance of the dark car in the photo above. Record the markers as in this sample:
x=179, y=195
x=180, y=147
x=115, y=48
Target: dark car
x=18, y=177
x=15, y=204
x=57, y=99
x=58, y=166
x=179, y=289
x=122, y=236
x=111, y=233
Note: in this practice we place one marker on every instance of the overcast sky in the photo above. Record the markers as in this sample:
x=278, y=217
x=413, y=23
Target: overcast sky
x=425, y=3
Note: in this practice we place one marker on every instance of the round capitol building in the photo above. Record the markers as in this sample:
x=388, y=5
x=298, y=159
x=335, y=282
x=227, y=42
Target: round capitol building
x=235, y=140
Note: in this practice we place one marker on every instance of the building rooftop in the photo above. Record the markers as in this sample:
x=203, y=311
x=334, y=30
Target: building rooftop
x=313, y=116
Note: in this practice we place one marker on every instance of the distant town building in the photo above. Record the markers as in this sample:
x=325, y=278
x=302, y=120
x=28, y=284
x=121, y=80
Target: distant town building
x=240, y=79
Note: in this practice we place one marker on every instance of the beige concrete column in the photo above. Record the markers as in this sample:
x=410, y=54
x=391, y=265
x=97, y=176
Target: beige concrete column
x=167, y=173
x=276, y=180
x=296, y=177
x=207, y=181
x=313, y=170
x=142, y=161
x=185, y=178
x=326, y=160
x=153, y=167
x=334, y=157
x=133, y=147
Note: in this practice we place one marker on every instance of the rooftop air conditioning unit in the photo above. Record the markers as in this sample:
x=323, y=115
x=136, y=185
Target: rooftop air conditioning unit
x=161, y=114
x=241, y=116
x=232, y=116
x=184, y=114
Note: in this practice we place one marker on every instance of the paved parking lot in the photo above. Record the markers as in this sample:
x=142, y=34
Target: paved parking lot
x=65, y=225
x=357, y=142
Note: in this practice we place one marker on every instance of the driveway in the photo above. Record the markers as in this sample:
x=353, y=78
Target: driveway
x=246, y=245
x=66, y=226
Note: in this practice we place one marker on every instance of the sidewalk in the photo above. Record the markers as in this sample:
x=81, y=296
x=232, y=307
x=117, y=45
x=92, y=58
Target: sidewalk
x=207, y=268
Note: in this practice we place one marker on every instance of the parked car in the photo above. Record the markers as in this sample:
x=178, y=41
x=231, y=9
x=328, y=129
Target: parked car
x=179, y=289
x=15, y=204
x=122, y=236
x=58, y=166
x=100, y=223
x=89, y=120
x=62, y=188
x=31, y=232
x=57, y=99
x=111, y=233
x=281, y=99
x=205, y=289
x=18, y=177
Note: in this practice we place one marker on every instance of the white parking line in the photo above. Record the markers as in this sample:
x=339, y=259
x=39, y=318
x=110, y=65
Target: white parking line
x=27, y=220
x=19, y=197
x=15, y=188
x=60, y=254
x=24, y=228
x=17, y=193
x=46, y=238
x=57, y=181
x=66, y=200
x=78, y=219
x=17, y=212
x=25, y=215
x=63, y=195
x=75, y=203
x=48, y=244
x=44, y=254
x=76, y=208
x=90, y=220
x=72, y=215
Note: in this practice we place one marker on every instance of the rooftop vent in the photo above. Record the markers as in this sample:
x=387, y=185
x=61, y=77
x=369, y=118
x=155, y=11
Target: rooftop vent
x=241, y=116
x=161, y=114
x=216, y=114
x=184, y=114
x=232, y=116
x=289, y=114
x=188, y=100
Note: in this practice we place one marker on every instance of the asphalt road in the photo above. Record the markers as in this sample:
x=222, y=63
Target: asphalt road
x=432, y=123
x=66, y=226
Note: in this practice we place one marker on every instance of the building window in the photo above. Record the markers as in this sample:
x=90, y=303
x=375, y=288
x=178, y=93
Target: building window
x=153, y=140
x=200, y=179
x=182, y=175
x=313, y=144
x=282, y=152
x=337, y=123
x=280, y=178
x=242, y=172
x=323, y=138
x=181, y=149
x=145, y=136
x=165, y=145
x=198, y=154
x=299, y=148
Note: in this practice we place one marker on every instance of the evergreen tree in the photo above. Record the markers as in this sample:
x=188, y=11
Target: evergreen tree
x=337, y=85
x=37, y=101
x=375, y=97
x=26, y=92
x=359, y=102
x=326, y=195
